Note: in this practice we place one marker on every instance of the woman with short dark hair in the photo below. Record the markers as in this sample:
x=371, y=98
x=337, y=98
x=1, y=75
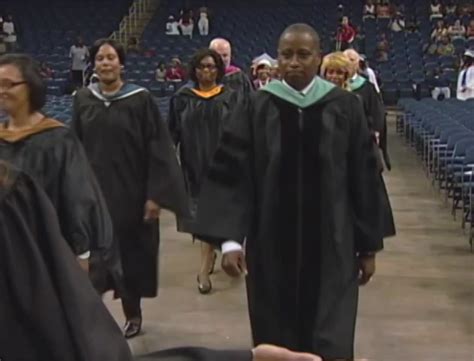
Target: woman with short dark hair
x=197, y=114
x=132, y=154
x=45, y=149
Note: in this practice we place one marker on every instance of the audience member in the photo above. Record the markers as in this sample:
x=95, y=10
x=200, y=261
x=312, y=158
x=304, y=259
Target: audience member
x=172, y=26
x=345, y=34
x=439, y=31
x=175, y=73
x=440, y=85
x=133, y=47
x=203, y=23
x=45, y=71
x=369, y=10
x=10, y=34
x=79, y=54
x=436, y=10
x=470, y=30
x=457, y=30
x=383, y=10
x=186, y=24
x=397, y=23
x=450, y=8
x=160, y=73
x=446, y=47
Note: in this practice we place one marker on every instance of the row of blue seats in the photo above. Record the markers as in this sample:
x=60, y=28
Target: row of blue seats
x=442, y=134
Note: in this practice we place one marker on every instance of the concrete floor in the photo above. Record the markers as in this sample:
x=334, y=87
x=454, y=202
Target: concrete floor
x=419, y=306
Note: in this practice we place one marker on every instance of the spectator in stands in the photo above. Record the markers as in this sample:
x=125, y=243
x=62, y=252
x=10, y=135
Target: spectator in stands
x=446, y=47
x=160, y=73
x=186, y=24
x=397, y=23
x=45, y=71
x=133, y=47
x=457, y=30
x=175, y=72
x=383, y=44
x=172, y=26
x=451, y=8
x=79, y=54
x=10, y=34
x=470, y=30
x=436, y=10
x=263, y=71
x=440, y=85
x=439, y=32
x=203, y=23
x=345, y=34
x=465, y=87
x=383, y=10
x=369, y=10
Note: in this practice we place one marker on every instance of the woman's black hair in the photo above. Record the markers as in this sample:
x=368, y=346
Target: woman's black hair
x=30, y=71
x=114, y=44
x=196, y=61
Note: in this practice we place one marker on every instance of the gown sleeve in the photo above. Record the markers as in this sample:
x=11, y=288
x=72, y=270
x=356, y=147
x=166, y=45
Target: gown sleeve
x=53, y=297
x=227, y=200
x=174, y=123
x=165, y=178
x=365, y=179
x=375, y=110
x=84, y=217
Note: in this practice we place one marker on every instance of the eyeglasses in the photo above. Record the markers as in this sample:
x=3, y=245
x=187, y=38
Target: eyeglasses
x=210, y=67
x=8, y=84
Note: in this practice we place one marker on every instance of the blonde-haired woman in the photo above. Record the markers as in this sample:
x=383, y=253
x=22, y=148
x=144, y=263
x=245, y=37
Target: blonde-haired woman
x=336, y=68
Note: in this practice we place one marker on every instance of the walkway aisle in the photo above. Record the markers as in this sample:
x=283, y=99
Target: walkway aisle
x=420, y=305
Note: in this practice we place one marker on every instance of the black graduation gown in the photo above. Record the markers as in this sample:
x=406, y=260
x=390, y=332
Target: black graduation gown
x=195, y=124
x=55, y=158
x=240, y=82
x=49, y=310
x=298, y=184
x=132, y=154
x=375, y=114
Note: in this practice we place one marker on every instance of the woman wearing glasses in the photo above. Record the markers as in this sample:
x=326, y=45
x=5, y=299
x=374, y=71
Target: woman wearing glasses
x=46, y=150
x=196, y=117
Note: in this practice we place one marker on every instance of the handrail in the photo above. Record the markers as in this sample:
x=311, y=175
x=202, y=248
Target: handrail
x=130, y=24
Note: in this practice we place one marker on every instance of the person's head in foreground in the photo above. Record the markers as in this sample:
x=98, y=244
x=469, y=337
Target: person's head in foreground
x=22, y=88
x=299, y=55
x=206, y=69
x=223, y=48
x=354, y=59
x=336, y=68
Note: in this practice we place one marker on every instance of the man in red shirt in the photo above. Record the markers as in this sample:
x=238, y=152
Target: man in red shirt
x=345, y=34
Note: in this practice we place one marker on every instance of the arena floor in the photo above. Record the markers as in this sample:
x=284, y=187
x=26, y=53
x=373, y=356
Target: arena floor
x=419, y=306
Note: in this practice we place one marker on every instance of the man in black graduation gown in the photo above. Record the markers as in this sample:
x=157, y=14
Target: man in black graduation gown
x=234, y=77
x=294, y=175
x=49, y=311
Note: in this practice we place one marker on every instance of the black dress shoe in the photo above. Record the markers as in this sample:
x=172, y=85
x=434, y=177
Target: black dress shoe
x=204, y=288
x=132, y=328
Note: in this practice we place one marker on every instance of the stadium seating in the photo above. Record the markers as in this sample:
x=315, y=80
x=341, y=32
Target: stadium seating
x=442, y=133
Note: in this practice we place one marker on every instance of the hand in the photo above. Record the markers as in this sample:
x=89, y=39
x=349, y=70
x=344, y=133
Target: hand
x=233, y=263
x=275, y=353
x=377, y=137
x=366, y=268
x=84, y=263
x=152, y=211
